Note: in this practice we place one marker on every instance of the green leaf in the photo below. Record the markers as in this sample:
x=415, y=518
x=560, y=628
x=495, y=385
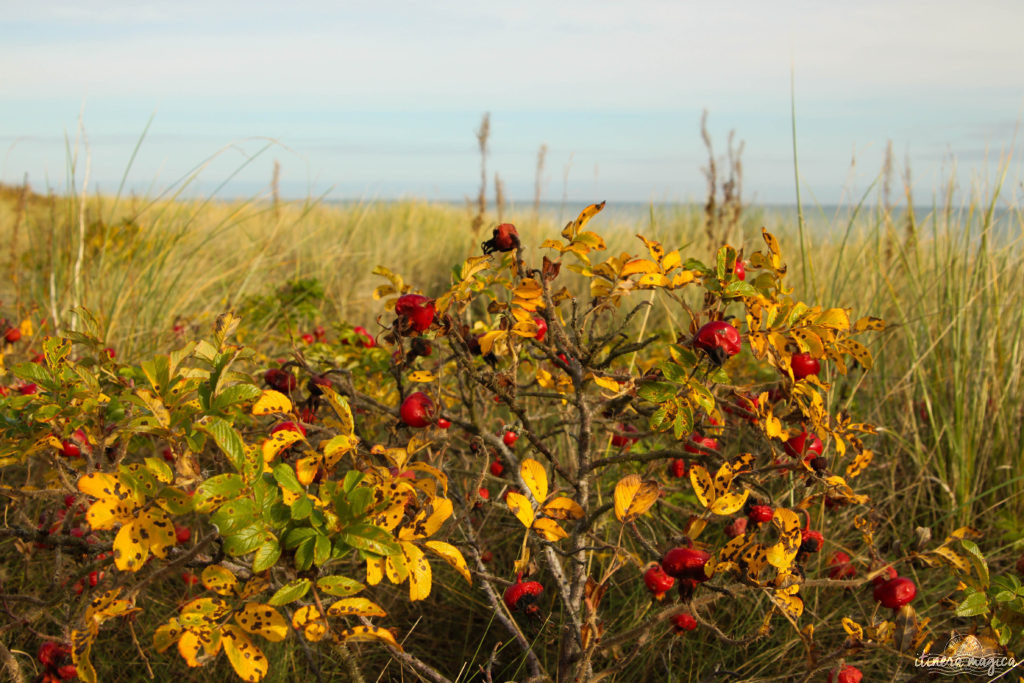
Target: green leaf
x=234, y=515
x=290, y=592
x=160, y=469
x=702, y=396
x=977, y=561
x=56, y=349
x=266, y=556
x=683, y=424
x=656, y=392
x=216, y=490
x=236, y=393
x=175, y=501
x=659, y=418
x=301, y=508
x=352, y=479
x=228, y=440
x=675, y=373
x=285, y=476
x=34, y=372
x=157, y=371
x=370, y=538
x=739, y=288
x=340, y=586
x=304, y=554
x=974, y=604
x=321, y=549
x=294, y=537
x=246, y=540
x=721, y=259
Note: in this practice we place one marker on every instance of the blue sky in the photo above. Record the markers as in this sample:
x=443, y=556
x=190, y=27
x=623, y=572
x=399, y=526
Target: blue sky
x=381, y=98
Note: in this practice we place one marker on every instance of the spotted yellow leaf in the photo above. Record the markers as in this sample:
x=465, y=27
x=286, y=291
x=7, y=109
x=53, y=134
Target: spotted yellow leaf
x=278, y=441
x=419, y=571
x=246, y=659
x=782, y=553
x=549, y=529
x=262, y=620
x=535, y=478
x=633, y=497
x=452, y=556
x=219, y=579
x=356, y=607
x=310, y=622
x=703, y=485
x=791, y=605
x=521, y=508
x=562, y=508
x=729, y=503
x=422, y=376
x=368, y=633
x=306, y=469
x=639, y=266
x=853, y=629
x=271, y=402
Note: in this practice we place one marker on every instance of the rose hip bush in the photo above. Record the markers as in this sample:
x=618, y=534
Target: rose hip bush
x=521, y=432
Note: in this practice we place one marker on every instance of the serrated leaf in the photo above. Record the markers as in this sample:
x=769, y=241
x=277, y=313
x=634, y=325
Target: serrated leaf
x=227, y=440
x=549, y=529
x=420, y=577
x=563, y=508
x=703, y=485
x=285, y=476
x=633, y=497
x=266, y=555
x=278, y=441
x=975, y=604
x=369, y=538
x=729, y=503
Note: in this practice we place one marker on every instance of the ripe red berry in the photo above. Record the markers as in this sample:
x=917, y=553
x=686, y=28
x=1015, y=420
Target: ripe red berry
x=182, y=533
x=542, y=328
x=28, y=389
x=840, y=567
x=503, y=238
x=811, y=541
x=719, y=340
x=740, y=270
x=67, y=672
x=484, y=493
x=12, y=335
x=189, y=578
x=623, y=438
x=307, y=338
x=69, y=500
x=415, y=312
x=737, y=527
x=167, y=454
x=895, y=593
x=111, y=353
x=887, y=574
x=683, y=622
x=696, y=440
x=70, y=449
x=804, y=365
x=50, y=654
x=848, y=674
x=804, y=444
x=685, y=563
x=497, y=468
x=562, y=357
x=677, y=468
x=486, y=556
x=657, y=581
x=417, y=410
x=319, y=332
x=94, y=578
x=368, y=341
x=443, y=423
x=759, y=514
x=522, y=596
x=280, y=380
x=510, y=438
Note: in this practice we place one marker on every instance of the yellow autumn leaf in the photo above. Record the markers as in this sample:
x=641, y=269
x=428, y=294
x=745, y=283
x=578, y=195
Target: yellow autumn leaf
x=452, y=556
x=278, y=441
x=309, y=621
x=306, y=468
x=535, y=478
x=520, y=507
x=549, y=529
x=703, y=485
x=368, y=633
x=782, y=553
x=653, y=280
x=633, y=497
x=607, y=383
x=341, y=408
x=271, y=402
x=356, y=607
x=219, y=579
x=419, y=571
x=853, y=629
x=639, y=266
x=791, y=605
x=246, y=659
x=488, y=340
x=834, y=319
x=729, y=502
x=562, y=508
x=130, y=553
x=573, y=228
x=262, y=620
x=422, y=376
x=157, y=531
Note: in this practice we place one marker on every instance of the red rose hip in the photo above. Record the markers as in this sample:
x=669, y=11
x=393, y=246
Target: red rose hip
x=804, y=365
x=895, y=593
x=415, y=311
x=719, y=340
x=417, y=410
x=657, y=581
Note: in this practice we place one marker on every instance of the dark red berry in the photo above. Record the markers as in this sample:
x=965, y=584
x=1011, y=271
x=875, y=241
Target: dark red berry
x=510, y=438
x=70, y=449
x=415, y=312
x=368, y=341
x=895, y=593
x=443, y=423
x=542, y=328
x=677, y=468
x=503, y=238
x=683, y=622
x=657, y=581
x=182, y=533
x=804, y=365
x=51, y=654
x=497, y=468
x=12, y=335
x=28, y=389
x=67, y=672
x=685, y=563
x=696, y=441
x=624, y=439
x=840, y=567
x=805, y=444
x=759, y=514
x=719, y=340
x=740, y=270
x=848, y=674
x=522, y=596
x=737, y=527
x=189, y=578
x=887, y=574
x=280, y=380
x=417, y=410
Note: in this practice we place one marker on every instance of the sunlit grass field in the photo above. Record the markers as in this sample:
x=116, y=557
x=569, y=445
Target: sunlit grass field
x=946, y=389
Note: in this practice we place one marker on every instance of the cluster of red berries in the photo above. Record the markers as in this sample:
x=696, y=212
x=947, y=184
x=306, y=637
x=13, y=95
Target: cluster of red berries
x=52, y=656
